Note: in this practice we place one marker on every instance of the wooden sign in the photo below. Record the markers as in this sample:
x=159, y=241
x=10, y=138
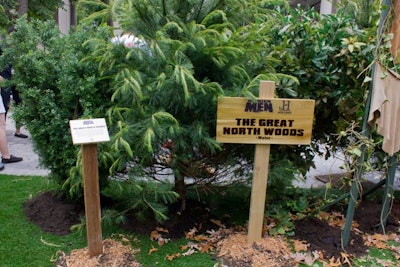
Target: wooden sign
x=264, y=121
x=88, y=133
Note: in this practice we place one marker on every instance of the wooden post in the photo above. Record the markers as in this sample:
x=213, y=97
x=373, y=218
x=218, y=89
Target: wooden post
x=260, y=177
x=395, y=29
x=92, y=199
x=389, y=187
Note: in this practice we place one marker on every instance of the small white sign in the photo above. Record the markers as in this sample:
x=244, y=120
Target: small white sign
x=89, y=131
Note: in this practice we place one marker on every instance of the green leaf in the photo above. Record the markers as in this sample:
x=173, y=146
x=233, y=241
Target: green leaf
x=355, y=151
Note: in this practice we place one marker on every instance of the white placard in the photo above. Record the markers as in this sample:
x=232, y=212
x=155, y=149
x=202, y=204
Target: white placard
x=89, y=131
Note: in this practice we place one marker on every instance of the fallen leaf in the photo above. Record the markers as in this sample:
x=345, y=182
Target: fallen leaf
x=189, y=252
x=199, y=238
x=155, y=235
x=333, y=262
x=346, y=258
x=298, y=257
x=384, y=263
x=160, y=229
x=152, y=250
x=376, y=240
x=205, y=248
x=217, y=222
x=305, y=257
x=300, y=245
x=191, y=233
x=184, y=247
x=172, y=257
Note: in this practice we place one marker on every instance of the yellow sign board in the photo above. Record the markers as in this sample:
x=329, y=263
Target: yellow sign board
x=264, y=121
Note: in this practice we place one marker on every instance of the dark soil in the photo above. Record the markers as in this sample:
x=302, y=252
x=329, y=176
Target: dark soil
x=53, y=214
x=323, y=237
x=195, y=215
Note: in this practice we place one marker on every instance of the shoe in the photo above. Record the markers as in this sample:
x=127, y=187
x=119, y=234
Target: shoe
x=20, y=135
x=1, y=166
x=12, y=159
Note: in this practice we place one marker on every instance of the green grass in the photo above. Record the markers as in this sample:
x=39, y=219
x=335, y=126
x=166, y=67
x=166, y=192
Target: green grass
x=25, y=244
x=21, y=242
x=158, y=258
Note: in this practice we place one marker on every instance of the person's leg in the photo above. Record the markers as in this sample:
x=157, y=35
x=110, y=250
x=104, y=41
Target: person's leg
x=17, y=101
x=6, y=98
x=3, y=137
x=6, y=157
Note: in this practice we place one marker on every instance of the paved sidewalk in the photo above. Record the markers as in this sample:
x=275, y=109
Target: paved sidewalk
x=21, y=147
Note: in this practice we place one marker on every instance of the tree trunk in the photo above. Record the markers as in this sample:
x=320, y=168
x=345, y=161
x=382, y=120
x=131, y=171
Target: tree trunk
x=22, y=7
x=180, y=188
x=73, y=15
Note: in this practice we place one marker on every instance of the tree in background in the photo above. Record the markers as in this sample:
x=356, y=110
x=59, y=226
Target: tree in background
x=10, y=10
x=166, y=85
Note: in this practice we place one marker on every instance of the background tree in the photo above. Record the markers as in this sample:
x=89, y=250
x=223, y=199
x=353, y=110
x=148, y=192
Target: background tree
x=23, y=7
x=12, y=9
x=187, y=53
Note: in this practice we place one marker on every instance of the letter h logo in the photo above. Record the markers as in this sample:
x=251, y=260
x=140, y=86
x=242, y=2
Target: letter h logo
x=285, y=106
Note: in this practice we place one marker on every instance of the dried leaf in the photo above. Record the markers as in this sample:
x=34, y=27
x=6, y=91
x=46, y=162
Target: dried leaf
x=191, y=233
x=189, y=252
x=300, y=245
x=152, y=250
x=155, y=235
x=172, y=257
x=125, y=240
x=385, y=263
x=184, y=247
x=199, y=238
x=160, y=229
x=333, y=262
x=217, y=222
x=298, y=257
x=376, y=240
x=307, y=258
x=205, y=248
x=346, y=258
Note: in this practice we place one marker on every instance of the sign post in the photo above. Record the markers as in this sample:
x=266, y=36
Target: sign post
x=263, y=122
x=88, y=133
x=260, y=177
x=92, y=199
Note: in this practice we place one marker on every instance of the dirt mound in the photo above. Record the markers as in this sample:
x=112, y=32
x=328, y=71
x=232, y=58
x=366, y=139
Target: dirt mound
x=114, y=254
x=53, y=213
x=270, y=251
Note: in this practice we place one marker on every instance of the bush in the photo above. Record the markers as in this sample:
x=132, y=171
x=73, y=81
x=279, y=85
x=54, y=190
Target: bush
x=56, y=86
x=329, y=56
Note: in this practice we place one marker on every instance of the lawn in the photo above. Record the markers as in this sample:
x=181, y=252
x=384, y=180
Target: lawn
x=25, y=244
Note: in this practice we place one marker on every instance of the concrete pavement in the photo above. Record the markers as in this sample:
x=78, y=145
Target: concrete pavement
x=21, y=147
